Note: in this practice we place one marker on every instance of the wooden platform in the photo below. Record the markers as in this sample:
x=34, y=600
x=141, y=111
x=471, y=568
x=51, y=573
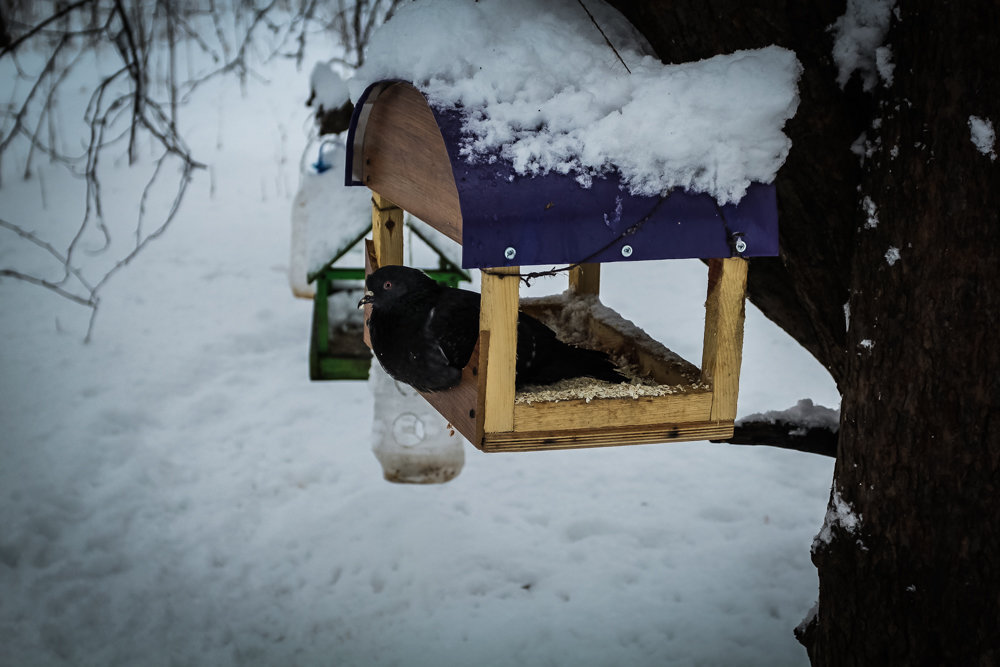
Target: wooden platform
x=485, y=408
x=410, y=155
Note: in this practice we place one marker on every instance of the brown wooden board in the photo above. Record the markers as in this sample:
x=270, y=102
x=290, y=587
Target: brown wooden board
x=371, y=265
x=404, y=158
x=692, y=406
x=604, y=437
x=460, y=405
x=725, y=312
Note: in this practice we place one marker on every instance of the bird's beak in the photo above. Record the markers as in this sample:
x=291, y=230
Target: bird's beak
x=366, y=299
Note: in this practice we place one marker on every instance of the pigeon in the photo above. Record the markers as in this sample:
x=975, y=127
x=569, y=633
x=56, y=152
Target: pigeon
x=423, y=334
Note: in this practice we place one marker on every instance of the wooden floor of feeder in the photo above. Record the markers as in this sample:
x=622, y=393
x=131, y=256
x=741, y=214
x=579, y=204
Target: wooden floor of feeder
x=484, y=406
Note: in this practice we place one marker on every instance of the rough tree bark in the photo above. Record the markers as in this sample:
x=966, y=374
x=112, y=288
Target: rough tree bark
x=910, y=572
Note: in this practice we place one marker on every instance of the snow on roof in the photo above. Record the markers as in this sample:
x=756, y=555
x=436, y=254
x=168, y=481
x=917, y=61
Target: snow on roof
x=328, y=215
x=544, y=92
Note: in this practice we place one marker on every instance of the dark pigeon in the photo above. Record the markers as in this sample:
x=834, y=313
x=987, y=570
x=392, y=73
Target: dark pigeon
x=423, y=334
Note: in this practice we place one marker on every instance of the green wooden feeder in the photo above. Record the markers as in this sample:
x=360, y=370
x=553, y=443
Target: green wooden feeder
x=337, y=350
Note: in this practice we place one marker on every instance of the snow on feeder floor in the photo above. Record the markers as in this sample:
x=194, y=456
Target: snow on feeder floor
x=410, y=154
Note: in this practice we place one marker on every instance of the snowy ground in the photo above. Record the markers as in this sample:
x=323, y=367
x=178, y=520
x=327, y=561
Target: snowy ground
x=177, y=492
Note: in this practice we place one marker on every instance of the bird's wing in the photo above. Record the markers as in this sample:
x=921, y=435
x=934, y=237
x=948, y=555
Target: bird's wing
x=454, y=324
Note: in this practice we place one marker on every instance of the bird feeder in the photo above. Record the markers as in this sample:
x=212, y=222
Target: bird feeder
x=337, y=350
x=408, y=153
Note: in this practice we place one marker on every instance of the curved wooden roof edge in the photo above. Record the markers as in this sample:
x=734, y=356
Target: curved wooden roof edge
x=396, y=149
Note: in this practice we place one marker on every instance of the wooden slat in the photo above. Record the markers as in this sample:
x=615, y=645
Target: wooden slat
x=601, y=437
x=371, y=264
x=585, y=279
x=387, y=231
x=405, y=159
x=498, y=317
x=722, y=354
x=695, y=406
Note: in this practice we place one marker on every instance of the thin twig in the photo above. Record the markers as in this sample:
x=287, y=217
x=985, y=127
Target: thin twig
x=55, y=287
x=31, y=238
x=594, y=21
x=41, y=26
x=124, y=106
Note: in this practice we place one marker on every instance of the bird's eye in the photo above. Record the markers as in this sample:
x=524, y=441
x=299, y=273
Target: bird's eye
x=387, y=284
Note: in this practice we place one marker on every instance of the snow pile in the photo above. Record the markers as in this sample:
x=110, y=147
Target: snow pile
x=983, y=136
x=892, y=255
x=871, y=212
x=544, y=92
x=329, y=90
x=839, y=514
x=326, y=215
x=858, y=42
x=803, y=416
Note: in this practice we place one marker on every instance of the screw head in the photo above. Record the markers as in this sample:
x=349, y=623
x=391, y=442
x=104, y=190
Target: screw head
x=741, y=245
x=510, y=253
x=626, y=251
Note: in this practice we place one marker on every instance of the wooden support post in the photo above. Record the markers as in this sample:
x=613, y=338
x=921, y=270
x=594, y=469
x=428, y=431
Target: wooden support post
x=585, y=279
x=387, y=231
x=498, y=318
x=723, y=350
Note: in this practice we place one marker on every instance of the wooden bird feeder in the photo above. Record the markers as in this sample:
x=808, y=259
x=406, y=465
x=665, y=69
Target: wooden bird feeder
x=407, y=153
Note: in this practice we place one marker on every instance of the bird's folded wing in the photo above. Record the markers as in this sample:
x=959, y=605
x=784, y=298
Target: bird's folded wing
x=454, y=324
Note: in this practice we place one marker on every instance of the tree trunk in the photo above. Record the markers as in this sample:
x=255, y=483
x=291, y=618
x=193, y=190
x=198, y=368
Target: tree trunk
x=919, y=460
x=909, y=559
x=804, y=289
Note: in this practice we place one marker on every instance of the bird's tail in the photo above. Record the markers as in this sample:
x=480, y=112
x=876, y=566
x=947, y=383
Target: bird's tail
x=571, y=362
x=597, y=365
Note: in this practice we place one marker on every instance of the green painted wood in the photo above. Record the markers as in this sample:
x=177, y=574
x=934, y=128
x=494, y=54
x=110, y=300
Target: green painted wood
x=342, y=368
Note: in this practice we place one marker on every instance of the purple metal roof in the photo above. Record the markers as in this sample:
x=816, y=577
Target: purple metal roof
x=552, y=219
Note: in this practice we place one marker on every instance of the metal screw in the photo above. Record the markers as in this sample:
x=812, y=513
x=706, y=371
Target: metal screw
x=626, y=251
x=510, y=253
x=741, y=245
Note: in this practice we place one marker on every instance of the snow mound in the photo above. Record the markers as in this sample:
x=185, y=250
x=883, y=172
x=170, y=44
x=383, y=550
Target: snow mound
x=544, y=92
x=839, y=514
x=803, y=415
x=330, y=90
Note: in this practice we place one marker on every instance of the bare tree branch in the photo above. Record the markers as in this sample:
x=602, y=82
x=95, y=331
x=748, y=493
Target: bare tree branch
x=55, y=287
x=785, y=435
x=135, y=98
x=65, y=11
